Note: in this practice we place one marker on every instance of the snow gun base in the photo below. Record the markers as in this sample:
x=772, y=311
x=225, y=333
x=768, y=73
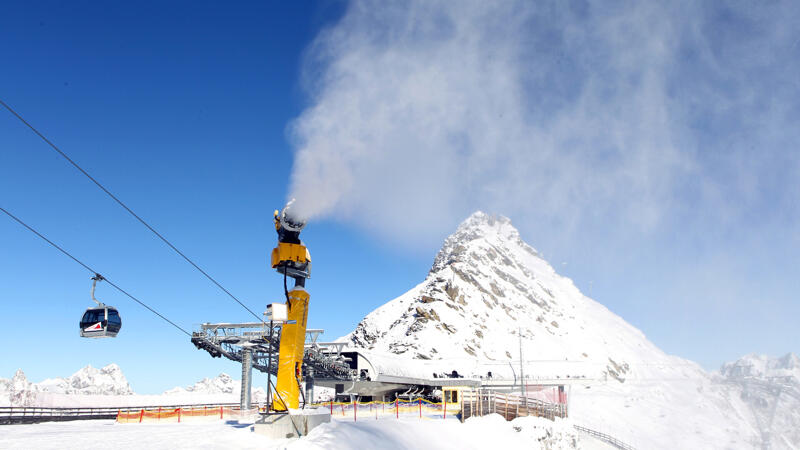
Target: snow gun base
x=289, y=425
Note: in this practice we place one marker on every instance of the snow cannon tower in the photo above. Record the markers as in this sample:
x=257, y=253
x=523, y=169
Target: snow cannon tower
x=291, y=259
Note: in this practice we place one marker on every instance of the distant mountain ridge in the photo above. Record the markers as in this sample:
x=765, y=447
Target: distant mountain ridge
x=110, y=381
x=221, y=384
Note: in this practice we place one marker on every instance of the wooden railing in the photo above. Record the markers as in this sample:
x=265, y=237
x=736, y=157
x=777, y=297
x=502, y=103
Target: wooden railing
x=611, y=440
x=510, y=406
x=36, y=414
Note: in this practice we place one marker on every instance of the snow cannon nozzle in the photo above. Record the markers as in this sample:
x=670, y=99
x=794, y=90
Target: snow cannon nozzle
x=289, y=220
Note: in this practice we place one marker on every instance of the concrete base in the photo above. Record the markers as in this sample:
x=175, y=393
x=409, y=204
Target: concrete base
x=286, y=426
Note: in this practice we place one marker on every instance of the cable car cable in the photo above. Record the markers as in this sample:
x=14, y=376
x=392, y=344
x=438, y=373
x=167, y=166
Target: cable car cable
x=93, y=271
x=103, y=188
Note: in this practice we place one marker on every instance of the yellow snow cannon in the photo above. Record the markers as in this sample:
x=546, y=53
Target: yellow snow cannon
x=291, y=258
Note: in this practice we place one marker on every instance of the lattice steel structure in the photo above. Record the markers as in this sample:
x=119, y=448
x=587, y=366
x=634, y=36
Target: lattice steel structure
x=229, y=340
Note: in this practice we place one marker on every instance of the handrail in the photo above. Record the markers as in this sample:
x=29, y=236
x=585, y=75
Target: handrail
x=607, y=438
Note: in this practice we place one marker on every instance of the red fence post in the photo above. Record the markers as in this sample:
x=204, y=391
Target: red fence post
x=331, y=407
x=420, y=408
x=141, y=415
x=355, y=410
x=159, y=414
x=179, y=415
x=220, y=412
x=396, y=408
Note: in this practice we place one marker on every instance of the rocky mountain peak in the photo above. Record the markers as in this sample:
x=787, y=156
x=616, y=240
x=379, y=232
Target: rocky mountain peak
x=486, y=288
x=479, y=234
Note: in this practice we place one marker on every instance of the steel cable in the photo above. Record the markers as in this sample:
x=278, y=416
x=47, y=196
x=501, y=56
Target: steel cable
x=124, y=206
x=31, y=229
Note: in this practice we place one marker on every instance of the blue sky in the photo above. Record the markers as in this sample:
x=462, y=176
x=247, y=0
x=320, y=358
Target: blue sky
x=190, y=112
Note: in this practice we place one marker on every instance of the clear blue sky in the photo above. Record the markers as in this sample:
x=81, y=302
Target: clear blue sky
x=182, y=108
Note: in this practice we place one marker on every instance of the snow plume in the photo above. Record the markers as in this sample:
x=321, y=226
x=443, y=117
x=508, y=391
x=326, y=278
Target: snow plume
x=555, y=111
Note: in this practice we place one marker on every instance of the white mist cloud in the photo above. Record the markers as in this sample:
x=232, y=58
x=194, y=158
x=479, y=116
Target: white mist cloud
x=557, y=112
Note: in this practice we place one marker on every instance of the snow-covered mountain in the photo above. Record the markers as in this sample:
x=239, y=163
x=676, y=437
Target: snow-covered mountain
x=221, y=384
x=108, y=380
x=488, y=293
x=17, y=390
x=108, y=387
x=771, y=388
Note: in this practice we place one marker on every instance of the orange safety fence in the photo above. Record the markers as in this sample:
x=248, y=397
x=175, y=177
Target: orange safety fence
x=418, y=408
x=179, y=414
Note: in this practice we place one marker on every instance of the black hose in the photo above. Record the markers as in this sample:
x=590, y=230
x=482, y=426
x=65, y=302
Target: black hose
x=302, y=391
x=286, y=289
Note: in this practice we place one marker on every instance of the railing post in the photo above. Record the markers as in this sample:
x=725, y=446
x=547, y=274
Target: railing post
x=444, y=406
x=331, y=407
x=179, y=415
x=220, y=412
x=141, y=415
x=355, y=410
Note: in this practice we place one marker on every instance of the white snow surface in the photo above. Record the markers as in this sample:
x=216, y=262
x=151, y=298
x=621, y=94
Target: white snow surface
x=477, y=433
x=487, y=288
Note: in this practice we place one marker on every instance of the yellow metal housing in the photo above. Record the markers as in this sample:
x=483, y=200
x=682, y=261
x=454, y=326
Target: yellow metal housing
x=290, y=358
x=289, y=252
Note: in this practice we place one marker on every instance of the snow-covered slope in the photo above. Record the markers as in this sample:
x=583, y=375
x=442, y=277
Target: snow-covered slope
x=487, y=289
x=771, y=389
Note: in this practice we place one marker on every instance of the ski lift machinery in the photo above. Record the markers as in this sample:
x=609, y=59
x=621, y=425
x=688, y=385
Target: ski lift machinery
x=101, y=321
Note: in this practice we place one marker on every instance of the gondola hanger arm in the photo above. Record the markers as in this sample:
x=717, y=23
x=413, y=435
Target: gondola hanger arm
x=97, y=277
